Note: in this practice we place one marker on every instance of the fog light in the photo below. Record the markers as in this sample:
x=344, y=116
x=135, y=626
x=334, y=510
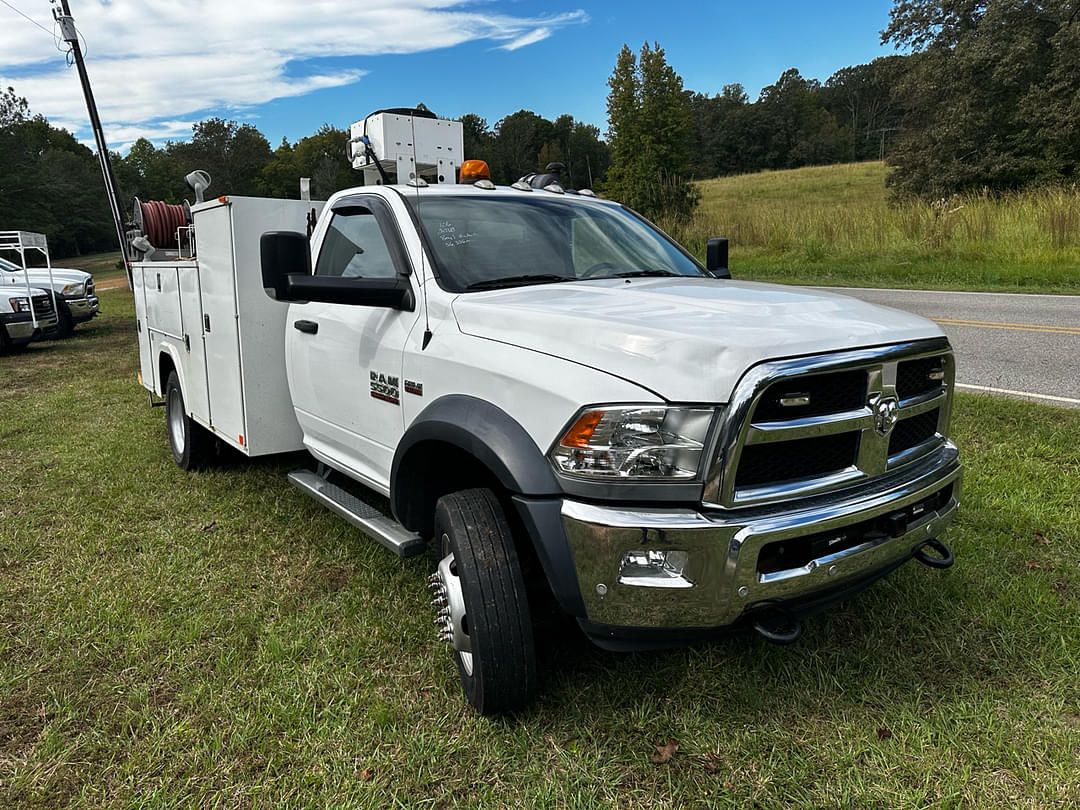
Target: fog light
x=654, y=569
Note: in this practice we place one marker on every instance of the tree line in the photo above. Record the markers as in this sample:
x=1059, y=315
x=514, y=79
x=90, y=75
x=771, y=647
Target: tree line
x=986, y=96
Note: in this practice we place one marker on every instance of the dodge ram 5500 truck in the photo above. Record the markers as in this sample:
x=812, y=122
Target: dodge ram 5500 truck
x=548, y=391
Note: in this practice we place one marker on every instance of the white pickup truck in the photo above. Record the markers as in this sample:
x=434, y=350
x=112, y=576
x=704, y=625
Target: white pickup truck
x=552, y=394
x=26, y=314
x=72, y=291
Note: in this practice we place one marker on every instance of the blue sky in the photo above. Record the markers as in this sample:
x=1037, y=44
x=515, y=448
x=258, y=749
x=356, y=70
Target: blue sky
x=158, y=66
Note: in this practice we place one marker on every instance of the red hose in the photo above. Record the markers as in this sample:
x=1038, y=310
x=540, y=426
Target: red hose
x=160, y=221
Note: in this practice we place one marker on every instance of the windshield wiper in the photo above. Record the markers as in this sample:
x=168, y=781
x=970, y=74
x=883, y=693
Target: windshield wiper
x=512, y=281
x=636, y=273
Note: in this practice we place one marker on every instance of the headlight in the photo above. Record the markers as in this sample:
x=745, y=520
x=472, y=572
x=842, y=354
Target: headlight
x=637, y=443
x=75, y=290
x=19, y=304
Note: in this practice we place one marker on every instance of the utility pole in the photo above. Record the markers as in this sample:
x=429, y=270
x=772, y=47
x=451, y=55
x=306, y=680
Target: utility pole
x=883, y=130
x=71, y=36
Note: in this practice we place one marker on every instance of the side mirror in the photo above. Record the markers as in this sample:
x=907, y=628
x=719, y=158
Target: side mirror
x=395, y=293
x=286, y=272
x=716, y=258
x=282, y=254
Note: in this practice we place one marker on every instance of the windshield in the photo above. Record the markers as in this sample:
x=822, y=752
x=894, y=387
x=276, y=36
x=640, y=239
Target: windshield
x=495, y=241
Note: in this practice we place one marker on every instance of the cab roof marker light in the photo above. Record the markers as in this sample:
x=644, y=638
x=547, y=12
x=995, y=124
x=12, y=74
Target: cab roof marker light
x=473, y=171
x=486, y=185
x=521, y=185
x=586, y=192
x=554, y=188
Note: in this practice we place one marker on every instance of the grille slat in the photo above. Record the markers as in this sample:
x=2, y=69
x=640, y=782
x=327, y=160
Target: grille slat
x=913, y=431
x=828, y=393
x=913, y=376
x=772, y=463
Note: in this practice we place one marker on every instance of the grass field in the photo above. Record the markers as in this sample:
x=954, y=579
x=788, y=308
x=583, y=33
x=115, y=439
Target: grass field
x=833, y=225
x=104, y=267
x=217, y=640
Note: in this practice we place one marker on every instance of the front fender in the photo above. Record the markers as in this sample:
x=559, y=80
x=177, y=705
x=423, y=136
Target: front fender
x=487, y=433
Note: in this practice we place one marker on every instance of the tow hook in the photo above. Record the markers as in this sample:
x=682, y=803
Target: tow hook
x=776, y=624
x=945, y=556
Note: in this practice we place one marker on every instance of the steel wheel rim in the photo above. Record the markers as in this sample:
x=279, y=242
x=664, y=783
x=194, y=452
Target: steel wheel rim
x=176, y=420
x=454, y=622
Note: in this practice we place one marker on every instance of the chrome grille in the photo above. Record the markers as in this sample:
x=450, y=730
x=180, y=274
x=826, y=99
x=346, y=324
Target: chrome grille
x=42, y=305
x=815, y=424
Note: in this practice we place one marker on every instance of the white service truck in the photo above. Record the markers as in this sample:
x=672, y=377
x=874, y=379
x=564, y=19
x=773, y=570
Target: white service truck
x=553, y=394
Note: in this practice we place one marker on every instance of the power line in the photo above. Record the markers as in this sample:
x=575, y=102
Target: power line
x=29, y=19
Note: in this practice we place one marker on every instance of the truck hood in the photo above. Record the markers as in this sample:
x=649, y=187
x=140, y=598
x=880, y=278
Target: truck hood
x=687, y=340
x=39, y=275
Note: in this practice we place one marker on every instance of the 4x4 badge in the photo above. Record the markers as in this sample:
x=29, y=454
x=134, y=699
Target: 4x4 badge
x=886, y=412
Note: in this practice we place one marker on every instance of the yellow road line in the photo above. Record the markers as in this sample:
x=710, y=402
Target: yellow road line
x=1023, y=327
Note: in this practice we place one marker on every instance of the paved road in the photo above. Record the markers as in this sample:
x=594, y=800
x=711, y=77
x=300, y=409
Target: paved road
x=1007, y=343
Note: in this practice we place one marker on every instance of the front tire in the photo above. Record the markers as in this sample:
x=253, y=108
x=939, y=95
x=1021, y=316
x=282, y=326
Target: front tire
x=192, y=446
x=65, y=322
x=485, y=613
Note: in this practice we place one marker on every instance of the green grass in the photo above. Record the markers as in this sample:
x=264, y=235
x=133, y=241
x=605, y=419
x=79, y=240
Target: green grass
x=833, y=225
x=218, y=640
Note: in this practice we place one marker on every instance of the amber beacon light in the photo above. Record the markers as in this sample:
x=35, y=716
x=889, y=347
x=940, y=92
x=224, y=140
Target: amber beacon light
x=473, y=170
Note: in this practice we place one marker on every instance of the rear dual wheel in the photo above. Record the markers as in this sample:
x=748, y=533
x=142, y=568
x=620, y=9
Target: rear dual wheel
x=483, y=609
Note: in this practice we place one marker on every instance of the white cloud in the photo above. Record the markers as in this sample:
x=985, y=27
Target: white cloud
x=527, y=38
x=156, y=62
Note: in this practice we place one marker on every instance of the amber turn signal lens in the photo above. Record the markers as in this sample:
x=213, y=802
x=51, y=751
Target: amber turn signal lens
x=473, y=170
x=581, y=433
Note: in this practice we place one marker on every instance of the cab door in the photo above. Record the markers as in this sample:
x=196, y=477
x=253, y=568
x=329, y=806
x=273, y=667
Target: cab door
x=345, y=361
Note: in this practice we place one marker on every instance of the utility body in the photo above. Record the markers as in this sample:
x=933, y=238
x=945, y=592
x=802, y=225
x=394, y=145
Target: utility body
x=557, y=399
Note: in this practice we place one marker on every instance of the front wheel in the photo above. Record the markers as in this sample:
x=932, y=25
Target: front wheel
x=192, y=446
x=66, y=323
x=480, y=595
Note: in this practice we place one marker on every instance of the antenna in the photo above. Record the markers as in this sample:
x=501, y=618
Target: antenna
x=419, y=231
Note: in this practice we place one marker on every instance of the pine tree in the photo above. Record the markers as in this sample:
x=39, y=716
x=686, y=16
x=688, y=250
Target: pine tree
x=649, y=126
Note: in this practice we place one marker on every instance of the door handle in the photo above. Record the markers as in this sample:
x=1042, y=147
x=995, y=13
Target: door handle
x=310, y=327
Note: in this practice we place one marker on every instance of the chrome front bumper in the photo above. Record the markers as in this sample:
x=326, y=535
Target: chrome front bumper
x=24, y=331
x=681, y=568
x=83, y=309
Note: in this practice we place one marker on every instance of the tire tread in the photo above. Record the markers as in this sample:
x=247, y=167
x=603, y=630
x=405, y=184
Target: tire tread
x=504, y=656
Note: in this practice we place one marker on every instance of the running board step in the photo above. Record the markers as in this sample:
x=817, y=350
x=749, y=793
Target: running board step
x=367, y=518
